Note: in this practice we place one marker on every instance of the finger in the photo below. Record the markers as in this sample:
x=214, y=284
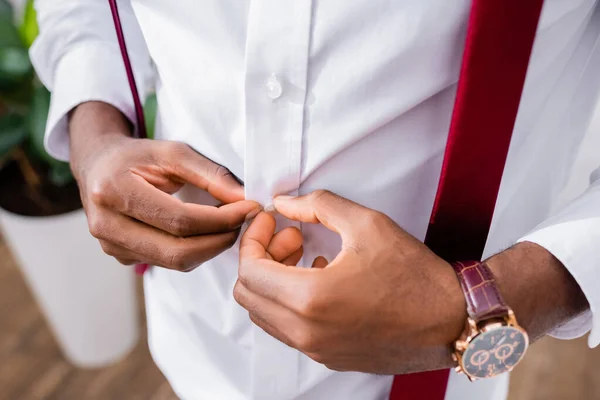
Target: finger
x=121, y=254
x=294, y=258
x=319, y=262
x=285, y=243
x=336, y=213
x=127, y=261
x=141, y=200
x=288, y=287
x=256, y=239
x=189, y=166
x=271, y=318
x=270, y=329
x=157, y=247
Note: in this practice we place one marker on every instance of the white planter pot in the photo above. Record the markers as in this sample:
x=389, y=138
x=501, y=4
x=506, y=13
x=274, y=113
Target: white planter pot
x=88, y=298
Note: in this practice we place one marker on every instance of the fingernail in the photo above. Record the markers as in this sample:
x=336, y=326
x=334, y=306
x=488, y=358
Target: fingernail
x=252, y=214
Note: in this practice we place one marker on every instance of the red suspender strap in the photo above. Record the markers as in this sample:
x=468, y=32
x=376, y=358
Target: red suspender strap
x=500, y=37
x=139, y=110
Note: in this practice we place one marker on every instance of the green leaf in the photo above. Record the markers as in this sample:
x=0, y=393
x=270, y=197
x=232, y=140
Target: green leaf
x=9, y=34
x=150, y=107
x=60, y=174
x=29, y=28
x=15, y=67
x=13, y=132
x=6, y=10
x=37, y=124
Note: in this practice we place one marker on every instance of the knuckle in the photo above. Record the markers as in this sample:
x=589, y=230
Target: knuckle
x=231, y=238
x=100, y=191
x=333, y=367
x=238, y=293
x=307, y=342
x=311, y=304
x=318, y=357
x=374, y=217
x=231, y=222
x=306, y=306
x=125, y=261
x=176, y=148
x=244, y=269
x=176, y=259
x=228, y=240
x=216, y=171
x=221, y=171
x=107, y=248
x=190, y=268
x=317, y=195
x=172, y=152
x=254, y=320
x=180, y=225
x=370, y=219
x=97, y=226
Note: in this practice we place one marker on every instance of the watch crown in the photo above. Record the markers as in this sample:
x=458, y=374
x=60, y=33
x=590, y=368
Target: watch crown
x=460, y=345
x=454, y=357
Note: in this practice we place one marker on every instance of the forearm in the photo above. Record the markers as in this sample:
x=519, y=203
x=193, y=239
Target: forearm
x=537, y=287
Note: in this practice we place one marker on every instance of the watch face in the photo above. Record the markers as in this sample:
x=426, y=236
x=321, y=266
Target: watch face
x=493, y=352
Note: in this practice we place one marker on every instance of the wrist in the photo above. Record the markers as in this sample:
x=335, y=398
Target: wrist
x=538, y=288
x=95, y=118
x=94, y=126
x=450, y=313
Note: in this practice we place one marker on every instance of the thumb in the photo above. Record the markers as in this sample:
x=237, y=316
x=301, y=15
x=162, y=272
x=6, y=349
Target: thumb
x=194, y=168
x=256, y=239
x=321, y=206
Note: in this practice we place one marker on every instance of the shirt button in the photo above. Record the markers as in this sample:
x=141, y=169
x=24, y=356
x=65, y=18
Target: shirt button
x=270, y=208
x=274, y=88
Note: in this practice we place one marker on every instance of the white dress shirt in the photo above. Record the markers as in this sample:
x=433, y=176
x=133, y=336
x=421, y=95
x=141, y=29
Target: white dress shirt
x=351, y=96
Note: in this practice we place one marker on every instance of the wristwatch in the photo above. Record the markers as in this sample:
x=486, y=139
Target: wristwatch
x=493, y=342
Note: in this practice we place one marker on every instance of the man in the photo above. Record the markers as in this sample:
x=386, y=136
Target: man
x=346, y=105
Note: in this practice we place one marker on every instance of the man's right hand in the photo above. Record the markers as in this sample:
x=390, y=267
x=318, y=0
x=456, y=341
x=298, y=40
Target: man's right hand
x=126, y=186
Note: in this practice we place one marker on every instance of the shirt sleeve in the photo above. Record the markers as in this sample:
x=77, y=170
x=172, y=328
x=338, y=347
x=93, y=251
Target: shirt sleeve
x=573, y=236
x=77, y=57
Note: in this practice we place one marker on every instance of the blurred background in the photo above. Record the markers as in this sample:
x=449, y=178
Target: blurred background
x=63, y=337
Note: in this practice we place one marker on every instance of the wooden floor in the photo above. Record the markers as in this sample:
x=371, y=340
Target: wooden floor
x=32, y=367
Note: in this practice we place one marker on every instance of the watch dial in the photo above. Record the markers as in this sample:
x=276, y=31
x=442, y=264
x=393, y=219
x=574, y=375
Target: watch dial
x=494, y=352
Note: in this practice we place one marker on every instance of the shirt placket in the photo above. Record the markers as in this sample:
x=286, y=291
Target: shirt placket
x=277, y=51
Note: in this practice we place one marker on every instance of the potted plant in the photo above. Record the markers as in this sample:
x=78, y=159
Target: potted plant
x=88, y=298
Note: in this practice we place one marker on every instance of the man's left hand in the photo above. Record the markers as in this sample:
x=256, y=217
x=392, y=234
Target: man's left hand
x=386, y=304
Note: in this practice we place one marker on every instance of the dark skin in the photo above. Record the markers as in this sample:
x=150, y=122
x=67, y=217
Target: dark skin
x=386, y=304
x=126, y=186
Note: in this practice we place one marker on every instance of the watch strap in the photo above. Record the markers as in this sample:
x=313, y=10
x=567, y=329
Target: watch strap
x=481, y=292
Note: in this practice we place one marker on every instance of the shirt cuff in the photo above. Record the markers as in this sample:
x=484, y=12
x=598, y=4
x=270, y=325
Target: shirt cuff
x=85, y=73
x=572, y=237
